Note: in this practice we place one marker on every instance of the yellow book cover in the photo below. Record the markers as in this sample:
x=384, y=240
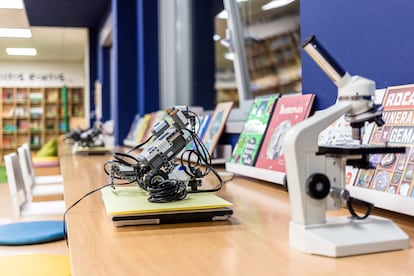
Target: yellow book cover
x=143, y=127
x=132, y=200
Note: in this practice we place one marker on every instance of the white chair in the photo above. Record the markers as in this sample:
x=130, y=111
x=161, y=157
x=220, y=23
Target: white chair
x=22, y=205
x=47, y=179
x=34, y=190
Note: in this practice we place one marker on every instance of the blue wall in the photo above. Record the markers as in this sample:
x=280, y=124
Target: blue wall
x=370, y=38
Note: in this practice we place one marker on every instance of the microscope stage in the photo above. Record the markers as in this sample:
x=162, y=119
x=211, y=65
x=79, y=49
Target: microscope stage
x=358, y=150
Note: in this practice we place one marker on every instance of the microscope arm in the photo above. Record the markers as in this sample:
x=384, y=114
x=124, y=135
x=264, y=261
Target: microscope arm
x=301, y=160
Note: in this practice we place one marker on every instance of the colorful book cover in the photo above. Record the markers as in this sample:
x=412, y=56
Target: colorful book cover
x=204, y=121
x=151, y=122
x=289, y=111
x=339, y=133
x=246, y=150
x=142, y=127
x=201, y=128
x=394, y=173
x=216, y=126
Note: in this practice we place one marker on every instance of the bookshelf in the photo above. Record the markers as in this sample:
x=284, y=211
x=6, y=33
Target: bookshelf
x=36, y=114
x=274, y=63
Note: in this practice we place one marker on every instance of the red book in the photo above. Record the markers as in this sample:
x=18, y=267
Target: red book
x=289, y=111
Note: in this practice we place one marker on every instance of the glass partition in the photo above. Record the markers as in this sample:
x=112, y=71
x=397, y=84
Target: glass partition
x=257, y=49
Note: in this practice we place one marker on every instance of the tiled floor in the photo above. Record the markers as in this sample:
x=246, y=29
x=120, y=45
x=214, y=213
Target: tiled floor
x=6, y=216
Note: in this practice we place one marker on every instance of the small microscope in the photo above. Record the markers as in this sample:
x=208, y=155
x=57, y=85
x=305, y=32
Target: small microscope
x=316, y=175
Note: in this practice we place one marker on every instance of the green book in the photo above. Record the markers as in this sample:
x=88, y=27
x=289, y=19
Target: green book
x=247, y=148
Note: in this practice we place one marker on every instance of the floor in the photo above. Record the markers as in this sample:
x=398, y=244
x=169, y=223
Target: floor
x=6, y=216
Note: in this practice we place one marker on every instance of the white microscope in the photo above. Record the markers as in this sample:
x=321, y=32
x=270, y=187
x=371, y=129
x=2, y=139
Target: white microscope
x=316, y=175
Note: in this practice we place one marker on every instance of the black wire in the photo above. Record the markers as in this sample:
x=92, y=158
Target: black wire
x=354, y=215
x=167, y=191
x=140, y=145
x=76, y=203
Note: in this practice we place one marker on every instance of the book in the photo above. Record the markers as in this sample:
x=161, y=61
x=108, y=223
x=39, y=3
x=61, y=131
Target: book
x=142, y=127
x=393, y=172
x=247, y=147
x=289, y=111
x=201, y=128
x=204, y=121
x=216, y=126
x=151, y=122
x=339, y=133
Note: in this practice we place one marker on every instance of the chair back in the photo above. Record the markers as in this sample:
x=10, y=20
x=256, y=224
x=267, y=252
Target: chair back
x=16, y=184
x=30, y=165
x=25, y=170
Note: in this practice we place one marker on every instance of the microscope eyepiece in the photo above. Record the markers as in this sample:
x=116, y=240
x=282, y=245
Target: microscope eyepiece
x=322, y=57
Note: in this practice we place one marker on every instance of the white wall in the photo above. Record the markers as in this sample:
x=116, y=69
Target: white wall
x=45, y=74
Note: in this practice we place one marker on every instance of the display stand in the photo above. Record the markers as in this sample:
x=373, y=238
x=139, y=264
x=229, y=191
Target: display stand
x=257, y=173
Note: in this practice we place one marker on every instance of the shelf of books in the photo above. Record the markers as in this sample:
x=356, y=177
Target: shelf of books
x=258, y=152
x=36, y=114
x=390, y=184
x=274, y=63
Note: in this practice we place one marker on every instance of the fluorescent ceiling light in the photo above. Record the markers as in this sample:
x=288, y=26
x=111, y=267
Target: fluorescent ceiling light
x=15, y=32
x=11, y=4
x=229, y=56
x=274, y=4
x=21, y=51
x=223, y=14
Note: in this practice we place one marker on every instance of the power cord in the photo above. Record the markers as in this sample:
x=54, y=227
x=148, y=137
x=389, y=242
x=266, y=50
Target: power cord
x=76, y=203
x=350, y=204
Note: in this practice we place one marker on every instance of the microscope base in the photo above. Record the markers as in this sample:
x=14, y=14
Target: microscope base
x=343, y=236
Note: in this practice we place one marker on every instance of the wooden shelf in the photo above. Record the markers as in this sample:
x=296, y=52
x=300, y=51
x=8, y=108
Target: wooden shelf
x=274, y=63
x=36, y=115
x=274, y=67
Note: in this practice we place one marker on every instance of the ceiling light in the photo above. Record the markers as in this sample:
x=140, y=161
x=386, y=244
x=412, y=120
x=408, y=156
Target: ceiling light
x=15, y=32
x=274, y=4
x=223, y=14
x=229, y=56
x=11, y=4
x=21, y=51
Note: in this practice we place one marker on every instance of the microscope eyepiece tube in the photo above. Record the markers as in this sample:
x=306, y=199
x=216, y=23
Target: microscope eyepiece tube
x=327, y=63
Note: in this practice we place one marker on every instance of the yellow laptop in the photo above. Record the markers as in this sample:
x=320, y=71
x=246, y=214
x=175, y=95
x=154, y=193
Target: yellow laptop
x=129, y=205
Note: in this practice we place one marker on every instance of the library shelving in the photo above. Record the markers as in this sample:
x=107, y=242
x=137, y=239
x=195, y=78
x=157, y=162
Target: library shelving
x=37, y=114
x=274, y=63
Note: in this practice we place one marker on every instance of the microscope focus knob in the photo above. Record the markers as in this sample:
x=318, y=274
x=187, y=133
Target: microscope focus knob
x=318, y=186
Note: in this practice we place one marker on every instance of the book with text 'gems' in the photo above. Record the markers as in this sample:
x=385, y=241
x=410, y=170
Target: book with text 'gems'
x=393, y=172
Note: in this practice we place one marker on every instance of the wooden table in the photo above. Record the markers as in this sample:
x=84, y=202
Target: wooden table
x=253, y=242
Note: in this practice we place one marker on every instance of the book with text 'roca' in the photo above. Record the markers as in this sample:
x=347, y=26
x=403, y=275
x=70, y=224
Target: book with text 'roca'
x=394, y=172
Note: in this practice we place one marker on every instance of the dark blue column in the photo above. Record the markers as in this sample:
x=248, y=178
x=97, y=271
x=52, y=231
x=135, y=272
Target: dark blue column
x=147, y=56
x=203, y=54
x=106, y=83
x=124, y=47
x=93, y=68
